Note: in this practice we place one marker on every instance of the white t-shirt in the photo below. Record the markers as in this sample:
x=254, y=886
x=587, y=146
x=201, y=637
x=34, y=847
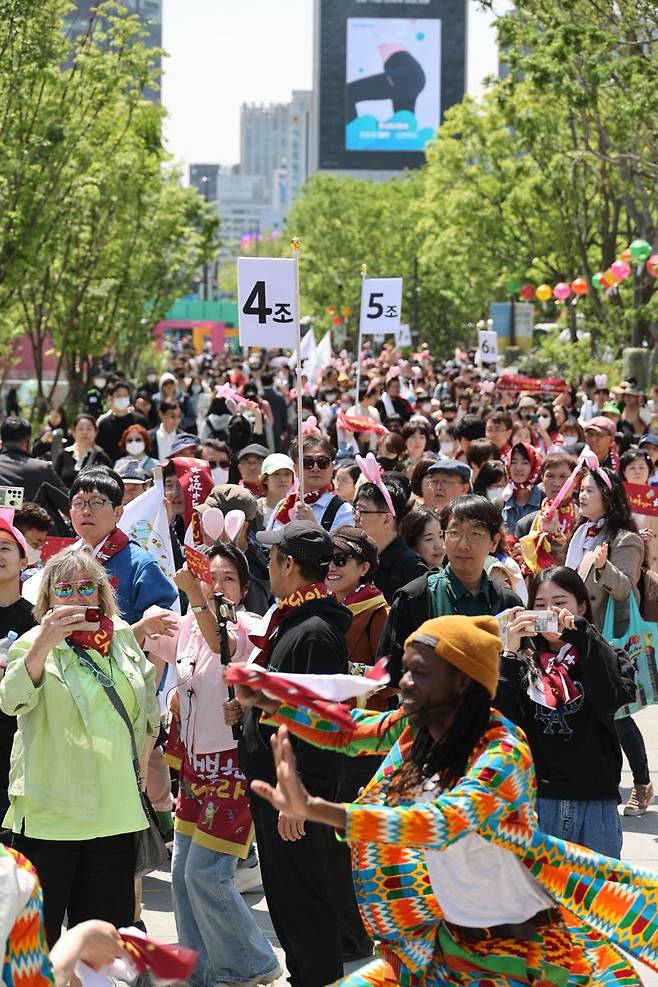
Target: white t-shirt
x=479, y=884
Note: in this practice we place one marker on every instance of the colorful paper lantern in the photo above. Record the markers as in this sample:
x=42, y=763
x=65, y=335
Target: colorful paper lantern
x=620, y=269
x=626, y=256
x=527, y=291
x=579, y=286
x=640, y=251
x=513, y=287
x=543, y=292
x=597, y=281
x=610, y=279
x=652, y=266
x=561, y=291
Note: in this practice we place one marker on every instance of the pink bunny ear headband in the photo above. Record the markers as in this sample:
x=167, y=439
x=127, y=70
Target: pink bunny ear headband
x=372, y=471
x=229, y=394
x=215, y=523
x=310, y=427
x=588, y=459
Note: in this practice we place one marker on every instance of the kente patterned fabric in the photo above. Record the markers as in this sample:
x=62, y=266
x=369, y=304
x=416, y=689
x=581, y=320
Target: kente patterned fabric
x=26, y=952
x=603, y=900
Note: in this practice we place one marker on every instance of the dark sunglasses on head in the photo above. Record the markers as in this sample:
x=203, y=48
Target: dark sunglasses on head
x=322, y=462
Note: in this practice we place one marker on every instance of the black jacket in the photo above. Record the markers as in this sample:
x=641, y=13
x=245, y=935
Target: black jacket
x=279, y=407
x=412, y=606
x=575, y=749
x=18, y=469
x=309, y=639
x=398, y=565
x=65, y=464
x=259, y=598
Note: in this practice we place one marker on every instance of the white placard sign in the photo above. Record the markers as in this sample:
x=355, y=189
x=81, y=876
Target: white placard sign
x=403, y=335
x=381, y=300
x=488, y=346
x=267, y=302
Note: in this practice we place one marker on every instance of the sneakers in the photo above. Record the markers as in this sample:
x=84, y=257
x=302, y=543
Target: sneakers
x=640, y=799
x=248, y=878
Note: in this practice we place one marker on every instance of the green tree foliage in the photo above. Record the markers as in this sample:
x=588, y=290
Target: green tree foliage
x=96, y=237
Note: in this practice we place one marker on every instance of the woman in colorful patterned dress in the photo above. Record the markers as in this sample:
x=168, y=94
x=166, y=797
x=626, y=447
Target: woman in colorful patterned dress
x=451, y=874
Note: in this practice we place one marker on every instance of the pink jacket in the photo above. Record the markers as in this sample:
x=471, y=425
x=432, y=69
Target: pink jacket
x=200, y=679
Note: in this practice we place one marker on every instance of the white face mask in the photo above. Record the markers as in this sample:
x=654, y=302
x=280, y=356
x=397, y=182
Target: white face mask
x=219, y=475
x=100, y=382
x=494, y=493
x=446, y=448
x=544, y=421
x=33, y=555
x=569, y=441
x=135, y=447
x=121, y=404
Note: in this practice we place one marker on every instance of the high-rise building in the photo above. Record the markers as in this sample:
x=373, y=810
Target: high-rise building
x=245, y=206
x=298, y=165
x=149, y=12
x=263, y=139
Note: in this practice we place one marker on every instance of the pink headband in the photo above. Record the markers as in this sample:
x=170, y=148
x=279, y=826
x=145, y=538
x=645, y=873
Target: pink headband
x=588, y=459
x=6, y=524
x=372, y=471
x=310, y=427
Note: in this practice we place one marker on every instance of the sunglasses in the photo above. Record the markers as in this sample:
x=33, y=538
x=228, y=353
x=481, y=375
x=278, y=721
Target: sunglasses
x=322, y=462
x=220, y=464
x=341, y=559
x=85, y=587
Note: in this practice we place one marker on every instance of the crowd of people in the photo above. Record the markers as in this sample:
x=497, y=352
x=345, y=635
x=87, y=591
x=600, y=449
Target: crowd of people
x=472, y=527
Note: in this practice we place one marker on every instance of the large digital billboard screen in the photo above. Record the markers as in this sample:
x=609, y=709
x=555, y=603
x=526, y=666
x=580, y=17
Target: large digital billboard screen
x=385, y=73
x=393, y=83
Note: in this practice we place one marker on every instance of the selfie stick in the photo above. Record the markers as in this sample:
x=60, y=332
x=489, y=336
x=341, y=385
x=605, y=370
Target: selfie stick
x=223, y=614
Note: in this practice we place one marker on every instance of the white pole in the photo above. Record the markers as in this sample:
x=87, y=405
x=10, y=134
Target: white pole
x=364, y=272
x=295, y=243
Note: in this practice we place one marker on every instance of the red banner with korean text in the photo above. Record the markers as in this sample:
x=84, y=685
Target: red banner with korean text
x=536, y=385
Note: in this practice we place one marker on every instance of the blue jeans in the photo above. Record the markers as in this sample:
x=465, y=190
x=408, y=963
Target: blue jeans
x=212, y=917
x=595, y=825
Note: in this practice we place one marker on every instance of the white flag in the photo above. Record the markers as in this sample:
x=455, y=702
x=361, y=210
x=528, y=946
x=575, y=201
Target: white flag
x=323, y=352
x=145, y=521
x=308, y=351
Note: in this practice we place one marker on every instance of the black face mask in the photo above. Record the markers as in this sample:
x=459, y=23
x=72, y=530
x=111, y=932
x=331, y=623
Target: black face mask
x=386, y=463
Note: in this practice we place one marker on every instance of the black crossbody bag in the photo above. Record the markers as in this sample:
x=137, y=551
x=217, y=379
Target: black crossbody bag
x=150, y=850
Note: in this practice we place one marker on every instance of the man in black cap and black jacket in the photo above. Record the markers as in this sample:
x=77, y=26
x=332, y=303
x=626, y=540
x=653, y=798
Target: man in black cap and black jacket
x=306, y=635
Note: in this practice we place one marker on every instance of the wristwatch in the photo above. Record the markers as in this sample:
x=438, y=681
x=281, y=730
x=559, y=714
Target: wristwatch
x=200, y=609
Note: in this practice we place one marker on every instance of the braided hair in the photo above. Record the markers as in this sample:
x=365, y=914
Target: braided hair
x=448, y=756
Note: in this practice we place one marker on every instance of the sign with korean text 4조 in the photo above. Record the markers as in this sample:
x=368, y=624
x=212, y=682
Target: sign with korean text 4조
x=267, y=302
x=381, y=301
x=488, y=346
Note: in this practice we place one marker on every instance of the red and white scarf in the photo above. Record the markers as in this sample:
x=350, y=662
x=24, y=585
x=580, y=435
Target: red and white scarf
x=550, y=684
x=283, y=513
x=263, y=638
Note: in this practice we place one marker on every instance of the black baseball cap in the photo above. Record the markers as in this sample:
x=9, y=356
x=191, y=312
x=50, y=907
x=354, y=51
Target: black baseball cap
x=303, y=540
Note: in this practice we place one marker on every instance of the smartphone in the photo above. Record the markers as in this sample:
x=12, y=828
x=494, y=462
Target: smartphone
x=545, y=621
x=11, y=497
x=93, y=615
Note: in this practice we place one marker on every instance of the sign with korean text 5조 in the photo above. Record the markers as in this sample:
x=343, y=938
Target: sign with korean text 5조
x=488, y=346
x=267, y=302
x=381, y=301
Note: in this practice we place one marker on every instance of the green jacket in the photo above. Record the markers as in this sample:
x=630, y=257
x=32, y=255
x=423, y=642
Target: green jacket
x=52, y=761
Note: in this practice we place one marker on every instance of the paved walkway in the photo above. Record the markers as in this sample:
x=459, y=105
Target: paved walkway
x=640, y=846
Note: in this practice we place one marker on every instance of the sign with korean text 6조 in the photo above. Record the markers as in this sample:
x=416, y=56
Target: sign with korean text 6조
x=403, y=335
x=488, y=346
x=267, y=302
x=381, y=301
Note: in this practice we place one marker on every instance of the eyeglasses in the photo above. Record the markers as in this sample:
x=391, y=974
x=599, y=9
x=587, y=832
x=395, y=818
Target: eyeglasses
x=322, y=462
x=472, y=537
x=93, y=505
x=341, y=559
x=359, y=512
x=100, y=676
x=85, y=587
x=443, y=481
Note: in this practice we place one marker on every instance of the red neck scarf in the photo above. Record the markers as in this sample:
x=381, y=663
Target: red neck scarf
x=99, y=640
x=557, y=686
x=283, y=514
x=532, y=454
x=364, y=597
x=264, y=642
x=115, y=541
x=257, y=489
